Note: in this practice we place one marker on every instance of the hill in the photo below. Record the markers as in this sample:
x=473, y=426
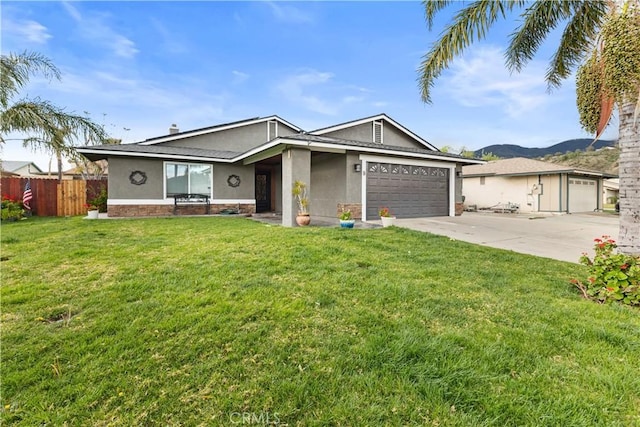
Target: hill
x=506, y=151
x=603, y=160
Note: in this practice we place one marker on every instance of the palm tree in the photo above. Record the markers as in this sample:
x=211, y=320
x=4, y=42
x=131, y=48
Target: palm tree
x=601, y=39
x=42, y=122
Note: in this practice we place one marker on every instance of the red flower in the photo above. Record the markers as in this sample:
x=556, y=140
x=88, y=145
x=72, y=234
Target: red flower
x=624, y=267
x=597, y=240
x=610, y=289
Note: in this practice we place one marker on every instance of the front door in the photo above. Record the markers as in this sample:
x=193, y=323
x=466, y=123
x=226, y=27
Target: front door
x=263, y=191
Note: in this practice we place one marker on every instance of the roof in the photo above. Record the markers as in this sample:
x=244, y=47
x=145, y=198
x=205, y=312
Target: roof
x=381, y=116
x=153, y=148
x=377, y=147
x=216, y=128
x=97, y=152
x=14, y=165
x=523, y=166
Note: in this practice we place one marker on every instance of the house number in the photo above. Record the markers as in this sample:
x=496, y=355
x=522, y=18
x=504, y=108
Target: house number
x=233, y=180
x=138, y=178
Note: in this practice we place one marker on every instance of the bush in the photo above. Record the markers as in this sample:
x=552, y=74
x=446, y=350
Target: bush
x=100, y=200
x=12, y=209
x=612, y=277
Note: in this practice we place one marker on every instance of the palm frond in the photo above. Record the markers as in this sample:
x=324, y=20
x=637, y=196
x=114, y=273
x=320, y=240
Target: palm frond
x=16, y=69
x=577, y=39
x=470, y=24
x=44, y=122
x=431, y=9
x=539, y=20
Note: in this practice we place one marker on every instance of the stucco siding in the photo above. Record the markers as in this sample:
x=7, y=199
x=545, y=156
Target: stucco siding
x=222, y=189
x=362, y=132
x=120, y=187
x=328, y=174
x=500, y=191
x=353, y=180
x=239, y=139
x=393, y=136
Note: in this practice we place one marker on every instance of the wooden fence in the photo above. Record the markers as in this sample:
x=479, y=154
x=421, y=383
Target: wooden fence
x=53, y=198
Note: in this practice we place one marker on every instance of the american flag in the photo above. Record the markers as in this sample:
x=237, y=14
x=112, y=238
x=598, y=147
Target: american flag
x=27, y=196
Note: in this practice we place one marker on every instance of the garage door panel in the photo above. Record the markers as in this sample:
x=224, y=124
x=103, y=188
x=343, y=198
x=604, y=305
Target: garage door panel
x=410, y=191
x=583, y=195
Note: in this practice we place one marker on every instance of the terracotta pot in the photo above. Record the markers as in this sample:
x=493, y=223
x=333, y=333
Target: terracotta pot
x=303, y=219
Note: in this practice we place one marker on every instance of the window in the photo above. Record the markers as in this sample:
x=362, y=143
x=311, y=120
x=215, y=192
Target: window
x=183, y=178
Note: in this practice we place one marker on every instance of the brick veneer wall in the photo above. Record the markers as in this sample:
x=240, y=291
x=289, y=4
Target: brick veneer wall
x=355, y=208
x=167, y=210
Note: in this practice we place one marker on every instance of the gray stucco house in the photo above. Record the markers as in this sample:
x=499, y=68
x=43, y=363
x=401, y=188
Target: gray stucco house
x=251, y=165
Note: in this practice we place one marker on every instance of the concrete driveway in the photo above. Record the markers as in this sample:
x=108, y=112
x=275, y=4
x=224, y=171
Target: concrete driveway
x=561, y=237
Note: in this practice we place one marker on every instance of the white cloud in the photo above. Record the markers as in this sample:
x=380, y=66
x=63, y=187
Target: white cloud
x=289, y=14
x=95, y=29
x=296, y=88
x=481, y=79
x=31, y=31
x=239, y=76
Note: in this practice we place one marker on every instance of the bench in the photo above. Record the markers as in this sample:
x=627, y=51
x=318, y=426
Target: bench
x=190, y=199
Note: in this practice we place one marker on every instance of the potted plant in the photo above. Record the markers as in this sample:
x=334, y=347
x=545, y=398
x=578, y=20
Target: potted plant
x=92, y=211
x=300, y=194
x=386, y=217
x=346, y=220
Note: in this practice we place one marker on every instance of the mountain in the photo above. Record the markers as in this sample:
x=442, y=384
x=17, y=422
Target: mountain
x=595, y=160
x=506, y=151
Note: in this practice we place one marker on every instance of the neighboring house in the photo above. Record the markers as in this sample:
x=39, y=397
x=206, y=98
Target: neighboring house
x=20, y=168
x=611, y=191
x=251, y=165
x=534, y=185
x=91, y=170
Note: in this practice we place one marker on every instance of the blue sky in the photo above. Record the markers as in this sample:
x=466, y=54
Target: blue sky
x=138, y=67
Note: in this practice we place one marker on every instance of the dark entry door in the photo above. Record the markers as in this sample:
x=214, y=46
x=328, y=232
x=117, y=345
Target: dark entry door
x=263, y=191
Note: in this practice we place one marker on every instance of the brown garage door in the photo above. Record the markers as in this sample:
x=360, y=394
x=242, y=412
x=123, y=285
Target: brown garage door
x=409, y=191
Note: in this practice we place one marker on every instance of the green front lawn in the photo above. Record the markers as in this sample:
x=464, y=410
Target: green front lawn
x=226, y=321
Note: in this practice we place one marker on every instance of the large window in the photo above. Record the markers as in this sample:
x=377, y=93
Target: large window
x=182, y=178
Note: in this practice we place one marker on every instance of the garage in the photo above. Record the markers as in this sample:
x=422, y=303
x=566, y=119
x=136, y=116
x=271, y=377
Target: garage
x=583, y=194
x=409, y=191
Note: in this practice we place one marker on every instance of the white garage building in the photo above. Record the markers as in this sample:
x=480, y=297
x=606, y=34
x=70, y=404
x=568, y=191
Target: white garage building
x=533, y=185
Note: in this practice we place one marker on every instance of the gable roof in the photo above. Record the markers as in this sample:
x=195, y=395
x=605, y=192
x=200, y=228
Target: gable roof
x=322, y=143
x=523, y=166
x=14, y=165
x=216, y=128
x=153, y=148
x=381, y=116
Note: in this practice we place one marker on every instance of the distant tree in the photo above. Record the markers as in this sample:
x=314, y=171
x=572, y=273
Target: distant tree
x=601, y=39
x=489, y=156
x=45, y=125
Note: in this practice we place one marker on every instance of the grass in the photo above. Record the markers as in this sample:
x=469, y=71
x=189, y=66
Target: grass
x=226, y=321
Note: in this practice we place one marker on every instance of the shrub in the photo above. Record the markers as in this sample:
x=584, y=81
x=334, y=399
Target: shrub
x=612, y=277
x=12, y=209
x=99, y=201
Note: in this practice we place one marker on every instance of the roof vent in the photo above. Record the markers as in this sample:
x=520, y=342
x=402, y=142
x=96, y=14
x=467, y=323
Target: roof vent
x=173, y=129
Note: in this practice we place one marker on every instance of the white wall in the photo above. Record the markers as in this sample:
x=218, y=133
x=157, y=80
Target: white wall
x=502, y=190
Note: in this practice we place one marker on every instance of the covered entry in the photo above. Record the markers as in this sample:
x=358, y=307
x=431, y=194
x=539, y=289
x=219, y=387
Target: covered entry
x=410, y=191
